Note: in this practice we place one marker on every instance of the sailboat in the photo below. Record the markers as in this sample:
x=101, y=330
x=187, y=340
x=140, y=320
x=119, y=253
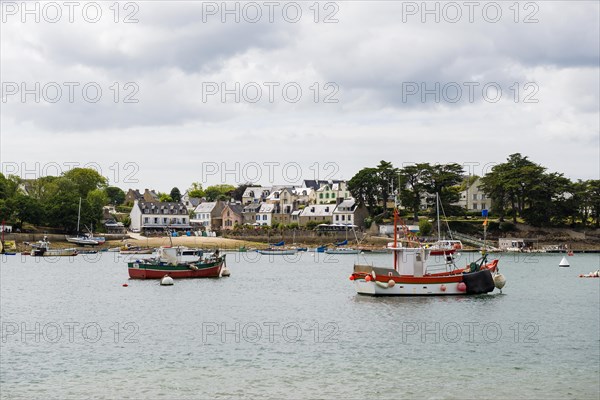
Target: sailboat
x=414, y=274
x=278, y=249
x=340, y=248
x=84, y=240
x=443, y=247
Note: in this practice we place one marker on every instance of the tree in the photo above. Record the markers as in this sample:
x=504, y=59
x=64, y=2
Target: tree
x=62, y=204
x=196, y=190
x=218, y=192
x=26, y=209
x=163, y=197
x=363, y=187
x=86, y=180
x=425, y=227
x=387, y=177
x=175, y=194
x=444, y=180
x=92, y=208
x=238, y=193
x=412, y=187
x=115, y=195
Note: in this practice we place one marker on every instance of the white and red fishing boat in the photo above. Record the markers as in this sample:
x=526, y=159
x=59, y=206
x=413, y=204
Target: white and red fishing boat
x=415, y=272
x=170, y=261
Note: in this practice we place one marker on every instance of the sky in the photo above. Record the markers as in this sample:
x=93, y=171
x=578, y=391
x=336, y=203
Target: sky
x=157, y=94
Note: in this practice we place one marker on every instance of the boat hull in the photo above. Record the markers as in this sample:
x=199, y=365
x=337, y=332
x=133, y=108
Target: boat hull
x=140, y=270
x=441, y=284
x=277, y=252
x=340, y=251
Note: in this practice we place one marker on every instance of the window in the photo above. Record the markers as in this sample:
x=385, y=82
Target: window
x=343, y=217
x=265, y=217
x=475, y=196
x=257, y=217
x=349, y=218
x=156, y=220
x=184, y=220
x=146, y=220
x=320, y=195
x=337, y=217
x=474, y=206
x=164, y=220
x=482, y=196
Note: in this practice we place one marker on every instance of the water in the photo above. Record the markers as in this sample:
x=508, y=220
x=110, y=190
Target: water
x=301, y=333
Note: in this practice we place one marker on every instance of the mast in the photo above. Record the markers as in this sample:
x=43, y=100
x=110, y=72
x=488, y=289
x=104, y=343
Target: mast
x=79, y=216
x=437, y=204
x=395, y=228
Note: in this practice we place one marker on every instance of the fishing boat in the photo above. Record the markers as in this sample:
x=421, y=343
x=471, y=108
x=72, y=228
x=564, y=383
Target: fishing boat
x=278, y=249
x=42, y=249
x=170, y=260
x=414, y=272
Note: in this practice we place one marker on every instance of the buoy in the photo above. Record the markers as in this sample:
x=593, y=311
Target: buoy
x=166, y=281
x=564, y=262
x=368, y=278
x=351, y=277
x=443, y=288
x=391, y=283
x=225, y=272
x=462, y=287
x=499, y=281
x=125, y=285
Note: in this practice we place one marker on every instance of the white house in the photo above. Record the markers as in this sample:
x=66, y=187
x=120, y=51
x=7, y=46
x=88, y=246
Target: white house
x=155, y=215
x=322, y=213
x=474, y=199
x=264, y=216
x=349, y=213
x=208, y=215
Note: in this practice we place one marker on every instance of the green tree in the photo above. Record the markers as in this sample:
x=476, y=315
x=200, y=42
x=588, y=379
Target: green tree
x=363, y=187
x=196, y=190
x=218, y=192
x=425, y=227
x=387, y=178
x=62, y=204
x=115, y=195
x=412, y=187
x=444, y=180
x=163, y=197
x=175, y=194
x=26, y=209
x=92, y=208
x=86, y=180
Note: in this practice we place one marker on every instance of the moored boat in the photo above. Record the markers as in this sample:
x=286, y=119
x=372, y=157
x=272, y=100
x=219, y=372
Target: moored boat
x=169, y=261
x=413, y=273
x=277, y=252
x=42, y=249
x=343, y=250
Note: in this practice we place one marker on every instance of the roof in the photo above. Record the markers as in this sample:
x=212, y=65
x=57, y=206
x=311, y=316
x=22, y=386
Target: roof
x=236, y=208
x=150, y=207
x=267, y=208
x=253, y=191
x=346, y=205
x=252, y=207
x=318, y=210
x=205, y=207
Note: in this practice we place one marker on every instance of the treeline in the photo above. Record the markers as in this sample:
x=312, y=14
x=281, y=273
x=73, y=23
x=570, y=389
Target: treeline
x=53, y=201
x=518, y=188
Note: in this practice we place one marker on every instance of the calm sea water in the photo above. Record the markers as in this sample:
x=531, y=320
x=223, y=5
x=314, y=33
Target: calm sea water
x=294, y=328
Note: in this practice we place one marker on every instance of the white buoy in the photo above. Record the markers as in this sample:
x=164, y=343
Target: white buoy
x=225, y=272
x=564, y=262
x=166, y=281
x=499, y=281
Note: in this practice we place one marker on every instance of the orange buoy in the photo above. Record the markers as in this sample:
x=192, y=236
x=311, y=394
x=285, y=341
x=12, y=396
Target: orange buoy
x=125, y=285
x=368, y=278
x=443, y=288
x=461, y=287
x=351, y=277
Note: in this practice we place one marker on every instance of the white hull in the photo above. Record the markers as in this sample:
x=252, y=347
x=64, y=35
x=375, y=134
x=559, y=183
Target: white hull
x=82, y=241
x=343, y=251
x=277, y=252
x=406, y=289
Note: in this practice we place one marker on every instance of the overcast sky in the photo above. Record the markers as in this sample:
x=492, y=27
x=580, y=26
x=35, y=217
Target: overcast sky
x=378, y=81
